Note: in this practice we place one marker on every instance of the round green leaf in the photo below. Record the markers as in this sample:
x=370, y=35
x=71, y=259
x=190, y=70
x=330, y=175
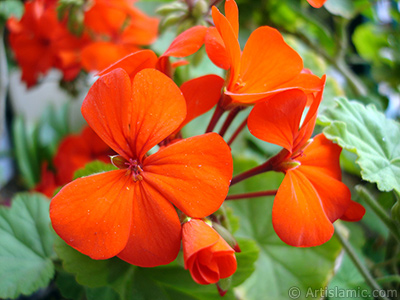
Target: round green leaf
x=26, y=241
x=374, y=138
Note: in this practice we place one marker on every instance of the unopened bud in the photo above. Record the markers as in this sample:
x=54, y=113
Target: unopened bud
x=75, y=22
x=227, y=236
x=200, y=8
x=73, y=11
x=288, y=165
x=119, y=161
x=165, y=10
x=223, y=285
x=172, y=19
x=186, y=24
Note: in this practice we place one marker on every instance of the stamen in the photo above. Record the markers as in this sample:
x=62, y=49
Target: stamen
x=135, y=169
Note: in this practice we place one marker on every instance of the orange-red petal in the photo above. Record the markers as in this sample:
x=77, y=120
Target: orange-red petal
x=297, y=214
x=230, y=41
x=232, y=14
x=267, y=62
x=100, y=55
x=134, y=120
x=323, y=154
x=194, y=173
x=196, y=237
x=159, y=109
x=316, y=3
x=107, y=109
x=93, y=214
x=206, y=254
x=134, y=63
x=187, y=43
x=156, y=230
x=307, y=127
x=201, y=94
x=277, y=120
x=142, y=29
x=216, y=50
x=354, y=212
x=335, y=196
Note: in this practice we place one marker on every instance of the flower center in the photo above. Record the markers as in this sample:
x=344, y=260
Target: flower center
x=135, y=168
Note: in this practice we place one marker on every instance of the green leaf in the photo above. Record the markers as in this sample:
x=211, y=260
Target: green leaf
x=129, y=282
x=10, y=8
x=89, y=272
x=93, y=168
x=374, y=138
x=279, y=266
x=245, y=260
x=370, y=41
x=101, y=293
x=68, y=286
x=25, y=153
x=348, y=278
x=346, y=9
x=26, y=241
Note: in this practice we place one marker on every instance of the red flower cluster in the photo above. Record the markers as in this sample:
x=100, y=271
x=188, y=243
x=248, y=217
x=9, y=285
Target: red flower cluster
x=112, y=29
x=135, y=212
x=73, y=153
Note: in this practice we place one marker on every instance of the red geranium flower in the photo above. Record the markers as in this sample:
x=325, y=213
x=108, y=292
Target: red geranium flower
x=118, y=29
x=311, y=196
x=266, y=66
x=37, y=49
x=207, y=255
x=73, y=153
x=129, y=212
x=48, y=183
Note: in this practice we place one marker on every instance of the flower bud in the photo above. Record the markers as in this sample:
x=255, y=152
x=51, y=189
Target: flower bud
x=200, y=8
x=73, y=11
x=227, y=236
x=223, y=286
x=186, y=24
x=165, y=10
x=206, y=254
x=119, y=161
x=172, y=19
x=288, y=165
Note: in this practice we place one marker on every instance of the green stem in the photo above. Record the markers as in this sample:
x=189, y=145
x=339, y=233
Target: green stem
x=359, y=265
x=379, y=211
